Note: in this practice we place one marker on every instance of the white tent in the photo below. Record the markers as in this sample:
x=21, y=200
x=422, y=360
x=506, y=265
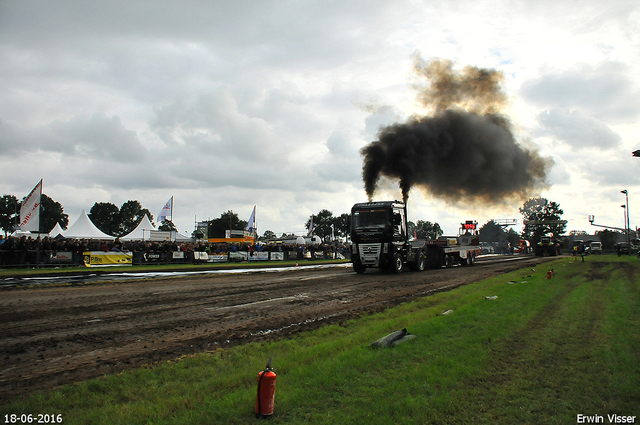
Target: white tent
x=142, y=232
x=182, y=238
x=57, y=230
x=83, y=228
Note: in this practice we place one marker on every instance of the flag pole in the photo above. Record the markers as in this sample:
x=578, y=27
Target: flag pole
x=39, y=236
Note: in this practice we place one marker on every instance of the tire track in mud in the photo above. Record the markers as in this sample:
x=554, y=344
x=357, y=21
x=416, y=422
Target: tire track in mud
x=53, y=336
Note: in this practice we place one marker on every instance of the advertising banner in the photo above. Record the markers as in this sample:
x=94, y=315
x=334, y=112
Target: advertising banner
x=217, y=258
x=259, y=256
x=62, y=256
x=107, y=259
x=199, y=256
x=238, y=256
x=152, y=257
x=277, y=256
x=159, y=235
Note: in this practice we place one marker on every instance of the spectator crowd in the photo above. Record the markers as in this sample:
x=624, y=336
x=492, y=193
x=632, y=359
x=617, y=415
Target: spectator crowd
x=26, y=251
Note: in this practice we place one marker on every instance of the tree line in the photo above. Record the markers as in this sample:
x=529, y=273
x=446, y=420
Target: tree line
x=109, y=218
x=541, y=217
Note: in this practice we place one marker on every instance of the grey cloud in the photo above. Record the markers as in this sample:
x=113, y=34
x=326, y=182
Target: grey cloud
x=12, y=140
x=341, y=170
x=577, y=129
x=344, y=143
x=381, y=116
x=241, y=32
x=605, y=92
x=213, y=125
x=559, y=173
x=96, y=136
x=614, y=172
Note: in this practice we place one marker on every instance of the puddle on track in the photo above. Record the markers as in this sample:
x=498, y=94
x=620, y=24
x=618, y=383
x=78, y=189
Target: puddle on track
x=124, y=276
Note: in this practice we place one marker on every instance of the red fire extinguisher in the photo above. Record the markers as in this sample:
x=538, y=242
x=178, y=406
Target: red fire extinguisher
x=266, y=392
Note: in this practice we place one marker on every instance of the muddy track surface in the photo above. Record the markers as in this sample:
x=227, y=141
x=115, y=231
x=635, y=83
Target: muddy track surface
x=57, y=335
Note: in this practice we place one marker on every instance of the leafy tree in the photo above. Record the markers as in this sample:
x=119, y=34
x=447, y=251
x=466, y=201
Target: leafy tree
x=131, y=214
x=513, y=237
x=428, y=230
x=411, y=229
x=106, y=217
x=323, y=221
x=608, y=238
x=492, y=232
x=167, y=226
x=268, y=234
x=542, y=218
x=116, y=221
x=51, y=212
x=321, y=224
x=341, y=225
x=9, y=212
x=227, y=221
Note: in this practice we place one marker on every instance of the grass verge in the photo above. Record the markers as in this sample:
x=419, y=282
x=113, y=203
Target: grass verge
x=542, y=352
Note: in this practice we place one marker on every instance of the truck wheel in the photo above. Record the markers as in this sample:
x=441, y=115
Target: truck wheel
x=358, y=267
x=419, y=263
x=471, y=259
x=539, y=251
x=448, y=260
x=397, y=263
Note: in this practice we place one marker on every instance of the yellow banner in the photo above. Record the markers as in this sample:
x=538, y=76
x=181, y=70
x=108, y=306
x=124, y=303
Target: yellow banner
x=105, y=259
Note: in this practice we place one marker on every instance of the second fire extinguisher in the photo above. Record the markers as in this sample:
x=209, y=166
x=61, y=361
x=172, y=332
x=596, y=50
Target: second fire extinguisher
x=266, y=392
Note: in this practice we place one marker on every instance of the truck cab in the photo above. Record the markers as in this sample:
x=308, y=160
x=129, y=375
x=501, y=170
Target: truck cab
x=378, y=233
x=380, y=240
x=378, y=222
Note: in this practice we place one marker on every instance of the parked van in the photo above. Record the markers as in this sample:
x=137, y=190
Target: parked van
x=595, y=248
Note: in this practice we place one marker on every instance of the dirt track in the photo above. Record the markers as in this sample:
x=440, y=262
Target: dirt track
x=57, y=335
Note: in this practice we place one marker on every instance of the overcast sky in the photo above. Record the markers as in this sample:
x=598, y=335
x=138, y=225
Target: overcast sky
x=229, y=104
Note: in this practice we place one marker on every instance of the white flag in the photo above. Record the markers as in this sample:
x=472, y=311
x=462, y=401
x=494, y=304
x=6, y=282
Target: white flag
x=310, y=227
x=30, y=210
x=332, y=232
x=252, y=221
x=167, y=210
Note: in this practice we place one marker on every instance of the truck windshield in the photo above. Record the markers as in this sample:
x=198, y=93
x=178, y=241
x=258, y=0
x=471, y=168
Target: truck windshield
x=369, y=218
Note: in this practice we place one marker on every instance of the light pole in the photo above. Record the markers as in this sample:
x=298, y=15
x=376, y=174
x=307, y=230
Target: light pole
x=626, y=194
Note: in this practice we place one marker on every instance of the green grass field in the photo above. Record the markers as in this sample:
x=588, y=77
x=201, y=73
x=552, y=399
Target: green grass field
x=543, y=352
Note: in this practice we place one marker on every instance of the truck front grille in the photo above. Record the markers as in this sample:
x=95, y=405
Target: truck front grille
x=370, y=254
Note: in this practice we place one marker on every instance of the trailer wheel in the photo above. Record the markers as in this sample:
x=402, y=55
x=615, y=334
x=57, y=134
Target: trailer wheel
x=448, y=260
x=539, y=251
x=419, y=263
x=358, y=267
x=397, y=263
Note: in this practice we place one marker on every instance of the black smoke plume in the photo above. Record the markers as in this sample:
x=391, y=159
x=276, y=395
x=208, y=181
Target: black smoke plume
x=464, y=150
